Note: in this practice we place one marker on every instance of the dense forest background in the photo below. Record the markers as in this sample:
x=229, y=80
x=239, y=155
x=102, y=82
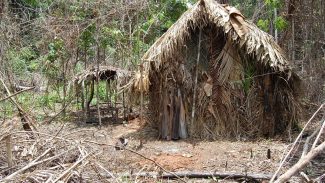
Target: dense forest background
x=44, y=43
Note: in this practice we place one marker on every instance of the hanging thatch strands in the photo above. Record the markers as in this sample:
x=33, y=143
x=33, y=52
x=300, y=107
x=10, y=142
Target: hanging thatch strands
x=245, y=86
x=141, y=83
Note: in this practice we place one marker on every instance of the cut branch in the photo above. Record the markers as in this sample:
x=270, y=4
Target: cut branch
x=301, y=163
x=295, y=142
x=21, y=91
x=26, y=120
x=197, y=175
x=69, y=169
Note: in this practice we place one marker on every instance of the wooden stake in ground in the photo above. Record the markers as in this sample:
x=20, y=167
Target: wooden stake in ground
x=9, y=151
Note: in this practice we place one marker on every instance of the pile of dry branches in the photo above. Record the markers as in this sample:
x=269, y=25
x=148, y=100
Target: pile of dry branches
x=54, y=154
x=44, y=158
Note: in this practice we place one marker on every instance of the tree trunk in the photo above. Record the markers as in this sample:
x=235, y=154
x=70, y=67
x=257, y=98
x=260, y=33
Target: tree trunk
x=91, y=96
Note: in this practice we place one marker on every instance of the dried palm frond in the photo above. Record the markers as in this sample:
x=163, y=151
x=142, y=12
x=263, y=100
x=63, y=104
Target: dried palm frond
x=226, y=61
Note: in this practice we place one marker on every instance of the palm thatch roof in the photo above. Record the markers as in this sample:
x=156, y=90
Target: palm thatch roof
x=255, y=42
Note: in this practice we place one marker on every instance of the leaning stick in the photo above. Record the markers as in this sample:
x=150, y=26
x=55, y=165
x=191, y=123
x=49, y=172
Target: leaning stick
x=35, y=162
x=301, y=163
x=69, y=169
x=320, y=133
x=305, y=148
x=30, y=165
x=20, y=109
x=21, y=91
x=295, y=142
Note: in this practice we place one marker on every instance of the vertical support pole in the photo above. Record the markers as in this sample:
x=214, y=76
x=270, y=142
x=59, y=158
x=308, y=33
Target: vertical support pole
x=195, y=81
x=275, y=29
x=124, y=112
x=97, y=93
x=110, y=99
x=141, y=95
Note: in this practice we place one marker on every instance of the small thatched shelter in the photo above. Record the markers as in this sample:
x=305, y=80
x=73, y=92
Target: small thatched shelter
x=84, y=83
x=214, y=74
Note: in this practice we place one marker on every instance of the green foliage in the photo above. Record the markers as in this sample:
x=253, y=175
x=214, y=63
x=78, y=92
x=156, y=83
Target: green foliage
x=263, y=24
x=37, y=3
x=247, y=7
x=87, y=37
x=280, y=23
x=273, y=3
x=23, y=61
x=48, y=99
x=56, y=49
x=171, y=11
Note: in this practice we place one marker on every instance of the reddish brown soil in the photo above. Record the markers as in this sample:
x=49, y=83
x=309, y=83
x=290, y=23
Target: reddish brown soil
x=179, y=155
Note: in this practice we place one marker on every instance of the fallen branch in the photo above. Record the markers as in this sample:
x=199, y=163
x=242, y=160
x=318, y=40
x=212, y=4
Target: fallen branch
x=196, y=175
x=35, y=162
x=305, y=149
x=28, y=122
x=69, y=169
x=21, y=91
x=295, y=142
x=301, y=163
x=320, y=133
x=28, y=166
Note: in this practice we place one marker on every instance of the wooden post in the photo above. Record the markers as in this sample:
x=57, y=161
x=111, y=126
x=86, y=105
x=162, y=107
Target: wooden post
x=97, y=93
x=141, y=95
x=64, y=87
x=124, y=112
x=195, y=79
x=9, y=151
x=275, y=29
x=106, y=92
x=115, y=101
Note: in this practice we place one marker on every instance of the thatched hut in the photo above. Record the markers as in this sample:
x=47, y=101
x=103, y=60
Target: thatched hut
x=215, y=74
x=84, y=84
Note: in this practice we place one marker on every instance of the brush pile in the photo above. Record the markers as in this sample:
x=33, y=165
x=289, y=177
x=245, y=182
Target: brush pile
x=53, y=155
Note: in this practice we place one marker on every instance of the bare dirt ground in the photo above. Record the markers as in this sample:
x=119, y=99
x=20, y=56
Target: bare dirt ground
x=176, y=156
x=220, y=156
